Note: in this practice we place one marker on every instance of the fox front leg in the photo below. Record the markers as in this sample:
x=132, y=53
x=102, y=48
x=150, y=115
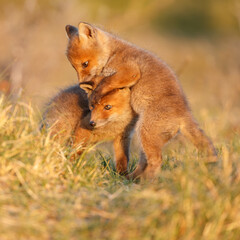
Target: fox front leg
x=121, y=152
x=126, y=77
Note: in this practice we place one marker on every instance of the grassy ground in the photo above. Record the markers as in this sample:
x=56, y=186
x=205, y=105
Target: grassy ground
x=43, y=195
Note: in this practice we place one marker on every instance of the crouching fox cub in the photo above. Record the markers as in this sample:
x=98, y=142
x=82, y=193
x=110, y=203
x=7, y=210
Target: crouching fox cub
x=68, y=115
x=106, y=62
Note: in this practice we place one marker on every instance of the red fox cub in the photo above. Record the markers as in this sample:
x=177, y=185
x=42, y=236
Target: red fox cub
x=68, y=116
x=106, y=62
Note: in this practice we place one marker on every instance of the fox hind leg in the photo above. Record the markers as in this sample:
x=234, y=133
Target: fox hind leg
x=154, y=135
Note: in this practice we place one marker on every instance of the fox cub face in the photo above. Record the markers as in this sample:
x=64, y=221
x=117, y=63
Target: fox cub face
x=87, y=50
x=110, y=108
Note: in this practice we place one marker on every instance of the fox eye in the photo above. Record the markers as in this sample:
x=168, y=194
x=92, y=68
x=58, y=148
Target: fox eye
x=108, y=107
x=85, y=64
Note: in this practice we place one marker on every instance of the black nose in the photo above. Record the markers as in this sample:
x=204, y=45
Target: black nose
x=92, y=123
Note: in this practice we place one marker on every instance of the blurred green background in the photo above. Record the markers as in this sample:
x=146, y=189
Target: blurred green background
x=200, y=40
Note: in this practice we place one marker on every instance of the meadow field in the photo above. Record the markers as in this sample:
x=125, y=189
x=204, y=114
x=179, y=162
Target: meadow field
x=45, y=195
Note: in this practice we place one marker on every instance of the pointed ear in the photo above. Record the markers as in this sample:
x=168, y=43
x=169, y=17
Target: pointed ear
x=71, y=31
x=87, y=88
x=86, y=30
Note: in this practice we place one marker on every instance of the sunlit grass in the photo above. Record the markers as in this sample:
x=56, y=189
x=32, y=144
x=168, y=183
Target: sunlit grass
x=44, y=195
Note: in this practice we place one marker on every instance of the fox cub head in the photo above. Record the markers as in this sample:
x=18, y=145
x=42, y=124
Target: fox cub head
x=112, y=107
x=87, y=50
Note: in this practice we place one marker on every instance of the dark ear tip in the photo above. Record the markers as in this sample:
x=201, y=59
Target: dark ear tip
x=71, y=30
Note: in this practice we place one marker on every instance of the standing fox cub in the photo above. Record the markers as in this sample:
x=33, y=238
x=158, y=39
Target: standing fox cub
x=104, y=62
x=68, y=116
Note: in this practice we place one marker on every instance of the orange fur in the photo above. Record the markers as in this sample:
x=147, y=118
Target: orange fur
x=156, y=94
x=68, y=116
x=5, y=87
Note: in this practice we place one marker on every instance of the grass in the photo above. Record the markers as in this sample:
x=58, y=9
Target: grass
x=44, y=195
